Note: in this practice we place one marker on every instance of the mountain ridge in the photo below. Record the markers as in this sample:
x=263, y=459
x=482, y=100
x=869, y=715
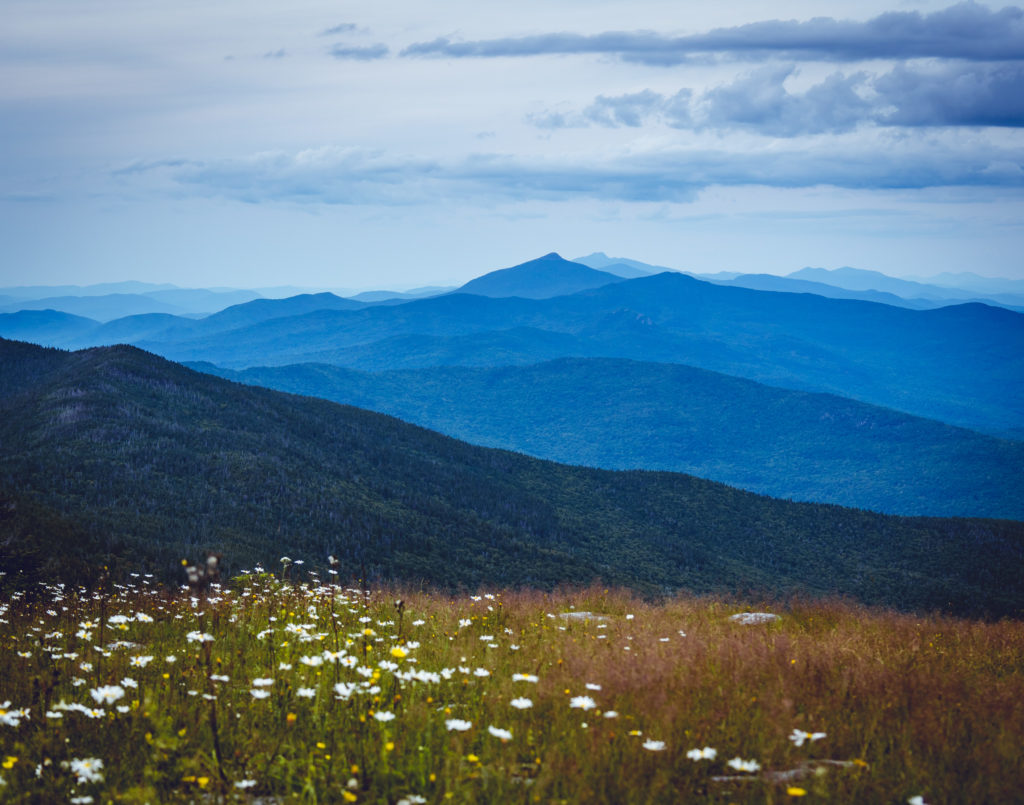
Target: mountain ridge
x=139, y=461
x=622, y=414
x=962, y=364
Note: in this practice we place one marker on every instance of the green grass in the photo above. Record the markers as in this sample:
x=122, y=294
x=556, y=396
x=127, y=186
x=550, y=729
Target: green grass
x=929, y=706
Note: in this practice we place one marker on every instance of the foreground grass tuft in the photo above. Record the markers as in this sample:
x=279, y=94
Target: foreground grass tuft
x=269, y=691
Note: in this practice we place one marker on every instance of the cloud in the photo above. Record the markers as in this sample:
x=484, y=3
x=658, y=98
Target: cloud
x=275, y=54
x=625, y=110
x=963, y=94
x=368, y=53
x=632, y=109
x=328, y=175
x=343, y=28
x=978, y=95
x=361, y=176
x=761, y=102
x=963, y=31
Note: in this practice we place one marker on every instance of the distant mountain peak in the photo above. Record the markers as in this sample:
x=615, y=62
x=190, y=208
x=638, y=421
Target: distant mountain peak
x=541, y=278
x=622, y=266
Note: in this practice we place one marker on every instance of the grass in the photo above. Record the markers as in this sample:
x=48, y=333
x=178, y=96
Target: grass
x=909, y=706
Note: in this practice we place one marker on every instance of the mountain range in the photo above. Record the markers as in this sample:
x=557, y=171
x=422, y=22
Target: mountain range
x=848, y=283
x=619, y=414
x=117, y=457
x=795, y=395
x=963, y=364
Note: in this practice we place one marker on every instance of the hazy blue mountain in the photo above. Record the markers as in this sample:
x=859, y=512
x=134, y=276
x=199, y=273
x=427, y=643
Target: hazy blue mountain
x=977, y=284
x=100, y=289
x=404, y=296
x=79, y=332
x=260, y=310
x=623, y=266
x=620, y=414
x=162, y=327
x=513, y=347
x=46, y=327
x=130, y=329
x=187, y=302
x=101, y=308
x=543, y=278
x=857, y=279
x=771, y=282
x=202, y=300
x=116, y=457
x=718, y=276
x=962, y=364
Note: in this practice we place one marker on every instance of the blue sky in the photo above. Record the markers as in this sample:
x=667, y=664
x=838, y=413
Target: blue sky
x=396, y=144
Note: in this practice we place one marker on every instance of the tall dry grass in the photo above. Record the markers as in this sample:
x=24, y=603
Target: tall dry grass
x=909, y=706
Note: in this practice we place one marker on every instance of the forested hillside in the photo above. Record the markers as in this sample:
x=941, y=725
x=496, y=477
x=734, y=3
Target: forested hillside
x=115, y=456
x=619, y=414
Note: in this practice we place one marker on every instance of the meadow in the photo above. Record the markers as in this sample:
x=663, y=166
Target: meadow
x=291, y=688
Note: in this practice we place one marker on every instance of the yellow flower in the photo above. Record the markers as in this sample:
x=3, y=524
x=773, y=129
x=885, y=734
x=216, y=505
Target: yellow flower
x=793, y=791
x=348, y=796
x=389, y=746
x=398, y=653
x=10, y=761
x=203, y=781
x=472, y=758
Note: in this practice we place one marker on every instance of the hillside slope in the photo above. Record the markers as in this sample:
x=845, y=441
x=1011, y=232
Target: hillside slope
x=139, y=462
x=619, y=414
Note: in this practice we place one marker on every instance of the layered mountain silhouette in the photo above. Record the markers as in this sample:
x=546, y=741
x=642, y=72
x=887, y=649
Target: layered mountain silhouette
x=620, y=414
x=858, y=279
x=492, y=366
x=963, y=365
x=105, y=307
x=116, y=457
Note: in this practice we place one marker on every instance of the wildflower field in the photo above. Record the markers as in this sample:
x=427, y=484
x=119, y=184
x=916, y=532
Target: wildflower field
x=263, y=690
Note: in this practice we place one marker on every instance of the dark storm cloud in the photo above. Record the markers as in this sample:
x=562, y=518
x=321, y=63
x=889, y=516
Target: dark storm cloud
x=960, y=94
x=963, y=31
x=976, y=95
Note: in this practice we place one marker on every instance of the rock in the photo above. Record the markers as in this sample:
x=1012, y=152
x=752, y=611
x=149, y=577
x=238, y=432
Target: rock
x=582, y=616
x=750, y=618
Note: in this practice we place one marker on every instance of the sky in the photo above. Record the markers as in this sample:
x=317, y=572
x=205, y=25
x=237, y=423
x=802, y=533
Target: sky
x=398, y=144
